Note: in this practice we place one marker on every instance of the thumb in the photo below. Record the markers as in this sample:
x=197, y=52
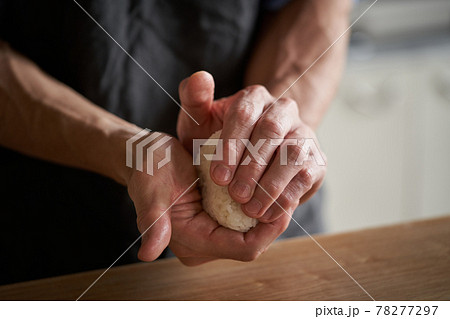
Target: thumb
x=154, y=224
x=197, y=94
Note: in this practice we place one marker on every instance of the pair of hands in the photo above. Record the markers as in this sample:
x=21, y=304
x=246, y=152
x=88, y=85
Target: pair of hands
x=189, y=231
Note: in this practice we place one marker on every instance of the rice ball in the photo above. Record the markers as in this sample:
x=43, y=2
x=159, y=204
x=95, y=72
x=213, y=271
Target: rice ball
x=216, y=200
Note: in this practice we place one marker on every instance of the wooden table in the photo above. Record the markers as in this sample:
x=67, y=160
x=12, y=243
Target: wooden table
x=402, y=262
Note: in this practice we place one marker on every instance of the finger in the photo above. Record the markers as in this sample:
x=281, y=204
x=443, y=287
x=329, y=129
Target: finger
x=261, y=236
x=276, y=177
x=204, y=240
x=301, y=188
x=203, y=237
x=271, y=128
x=310, y=193
x=156, y=236
x=285, y=166
x=229, y=244
x=238, y=124
x=196, y=96
x=153, y=222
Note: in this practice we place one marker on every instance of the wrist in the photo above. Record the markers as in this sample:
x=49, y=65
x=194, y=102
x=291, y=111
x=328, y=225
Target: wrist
x=310, y=101
x=112, y=162
x=129, y=162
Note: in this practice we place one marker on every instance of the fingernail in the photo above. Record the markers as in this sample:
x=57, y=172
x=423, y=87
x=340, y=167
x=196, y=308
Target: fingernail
x=222, y=173
x=267, y=215
x=241, y=189
x=253, y=207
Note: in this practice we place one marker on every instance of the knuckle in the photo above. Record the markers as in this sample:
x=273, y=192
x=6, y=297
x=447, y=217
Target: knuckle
x=290, y=105
x=271, y=127
x=241, y=94
x=306, y=177
x=258, y=89
x=272, y=187
x=245, y=111
x=254, y=166
x=286, y=101
x=293, y=153
x=295, y=190
x=287, y=199
x=288, y=203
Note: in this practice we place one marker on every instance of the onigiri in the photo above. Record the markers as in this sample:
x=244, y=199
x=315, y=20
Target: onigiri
x=216, y=199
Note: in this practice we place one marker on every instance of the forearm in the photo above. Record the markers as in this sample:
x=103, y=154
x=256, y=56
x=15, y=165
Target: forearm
x=290, y=42
x=43, y=118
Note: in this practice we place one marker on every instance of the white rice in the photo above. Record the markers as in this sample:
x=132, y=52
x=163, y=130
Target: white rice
x=216, y=200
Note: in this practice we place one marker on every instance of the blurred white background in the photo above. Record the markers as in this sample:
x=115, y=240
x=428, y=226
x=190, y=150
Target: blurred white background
x=387, y=134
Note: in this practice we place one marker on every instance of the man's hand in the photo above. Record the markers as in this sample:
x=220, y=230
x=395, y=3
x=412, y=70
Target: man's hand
x=155, y=197
x=194, y=237
x=252, y=114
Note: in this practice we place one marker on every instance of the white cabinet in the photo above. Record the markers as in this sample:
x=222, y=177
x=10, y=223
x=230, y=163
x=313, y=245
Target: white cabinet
x=387, y=138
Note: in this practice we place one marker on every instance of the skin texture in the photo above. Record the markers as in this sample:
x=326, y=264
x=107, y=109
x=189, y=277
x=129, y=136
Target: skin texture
x=287, y=44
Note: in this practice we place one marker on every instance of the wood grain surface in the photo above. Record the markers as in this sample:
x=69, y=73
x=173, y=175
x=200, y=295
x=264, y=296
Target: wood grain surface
x=402, y=262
